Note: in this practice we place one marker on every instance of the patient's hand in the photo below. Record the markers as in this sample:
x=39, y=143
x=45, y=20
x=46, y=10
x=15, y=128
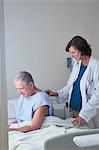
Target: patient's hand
x=51, y=93
x=79, y=121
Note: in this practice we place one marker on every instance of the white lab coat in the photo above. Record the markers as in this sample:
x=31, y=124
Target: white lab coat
x=89, y=86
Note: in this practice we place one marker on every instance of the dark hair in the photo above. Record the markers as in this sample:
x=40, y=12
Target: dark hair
x=25, y=77
x=80, y=44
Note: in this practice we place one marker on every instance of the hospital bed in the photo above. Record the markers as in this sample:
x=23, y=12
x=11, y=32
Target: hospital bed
x=82, y=140
x=54, y=136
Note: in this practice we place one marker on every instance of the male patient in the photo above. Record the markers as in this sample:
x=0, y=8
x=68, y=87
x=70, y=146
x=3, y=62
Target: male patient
x=33, y=104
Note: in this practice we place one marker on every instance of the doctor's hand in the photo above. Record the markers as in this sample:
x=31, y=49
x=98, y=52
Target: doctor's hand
x=79, y=121
x=51, y=93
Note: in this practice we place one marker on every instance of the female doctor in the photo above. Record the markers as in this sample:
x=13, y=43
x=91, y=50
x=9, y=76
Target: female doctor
x=82, y=88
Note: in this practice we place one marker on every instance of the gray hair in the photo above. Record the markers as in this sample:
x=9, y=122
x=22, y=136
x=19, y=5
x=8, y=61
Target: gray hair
x=25, y=77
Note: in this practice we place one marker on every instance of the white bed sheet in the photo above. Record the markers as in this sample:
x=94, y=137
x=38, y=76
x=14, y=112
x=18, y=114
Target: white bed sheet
x=33, y=140
x=52, y=127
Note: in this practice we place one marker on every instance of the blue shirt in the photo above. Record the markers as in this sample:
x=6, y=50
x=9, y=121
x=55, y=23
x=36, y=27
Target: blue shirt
x=27, y=106
x=76, y=99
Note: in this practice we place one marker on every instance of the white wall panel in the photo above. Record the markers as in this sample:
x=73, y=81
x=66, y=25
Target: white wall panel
x=36, y=36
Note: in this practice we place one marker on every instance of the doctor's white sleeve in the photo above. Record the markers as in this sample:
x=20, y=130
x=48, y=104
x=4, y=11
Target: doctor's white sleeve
x=65, y=93
x=62, y=95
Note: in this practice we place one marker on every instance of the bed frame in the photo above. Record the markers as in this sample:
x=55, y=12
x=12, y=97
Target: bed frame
x=65, y=142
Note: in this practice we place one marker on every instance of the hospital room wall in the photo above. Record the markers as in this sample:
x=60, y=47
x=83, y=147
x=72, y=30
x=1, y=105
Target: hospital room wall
x=95, y=33
x=36, y=34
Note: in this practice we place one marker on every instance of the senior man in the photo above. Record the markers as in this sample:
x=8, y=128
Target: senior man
x=33, y=104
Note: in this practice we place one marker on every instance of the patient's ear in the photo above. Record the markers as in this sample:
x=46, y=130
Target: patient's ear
x=31, y=85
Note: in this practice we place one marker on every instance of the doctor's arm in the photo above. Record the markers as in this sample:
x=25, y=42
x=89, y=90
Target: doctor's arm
x=37, y=120
x=62, y=94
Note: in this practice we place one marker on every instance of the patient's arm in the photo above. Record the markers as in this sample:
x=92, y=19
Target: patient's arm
x=37, y=120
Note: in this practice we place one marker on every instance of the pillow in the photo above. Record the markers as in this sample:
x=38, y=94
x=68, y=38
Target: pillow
x=10, y=121
x=12, y=108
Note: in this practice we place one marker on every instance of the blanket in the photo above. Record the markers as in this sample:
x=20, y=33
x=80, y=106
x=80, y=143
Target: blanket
x=34, y=140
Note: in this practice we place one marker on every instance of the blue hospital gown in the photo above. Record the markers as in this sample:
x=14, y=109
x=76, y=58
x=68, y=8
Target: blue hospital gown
x=26, y=106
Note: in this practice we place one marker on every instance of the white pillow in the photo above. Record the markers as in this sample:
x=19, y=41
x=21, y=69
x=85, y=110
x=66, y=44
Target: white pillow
x=12, y=108
x=10, y=121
